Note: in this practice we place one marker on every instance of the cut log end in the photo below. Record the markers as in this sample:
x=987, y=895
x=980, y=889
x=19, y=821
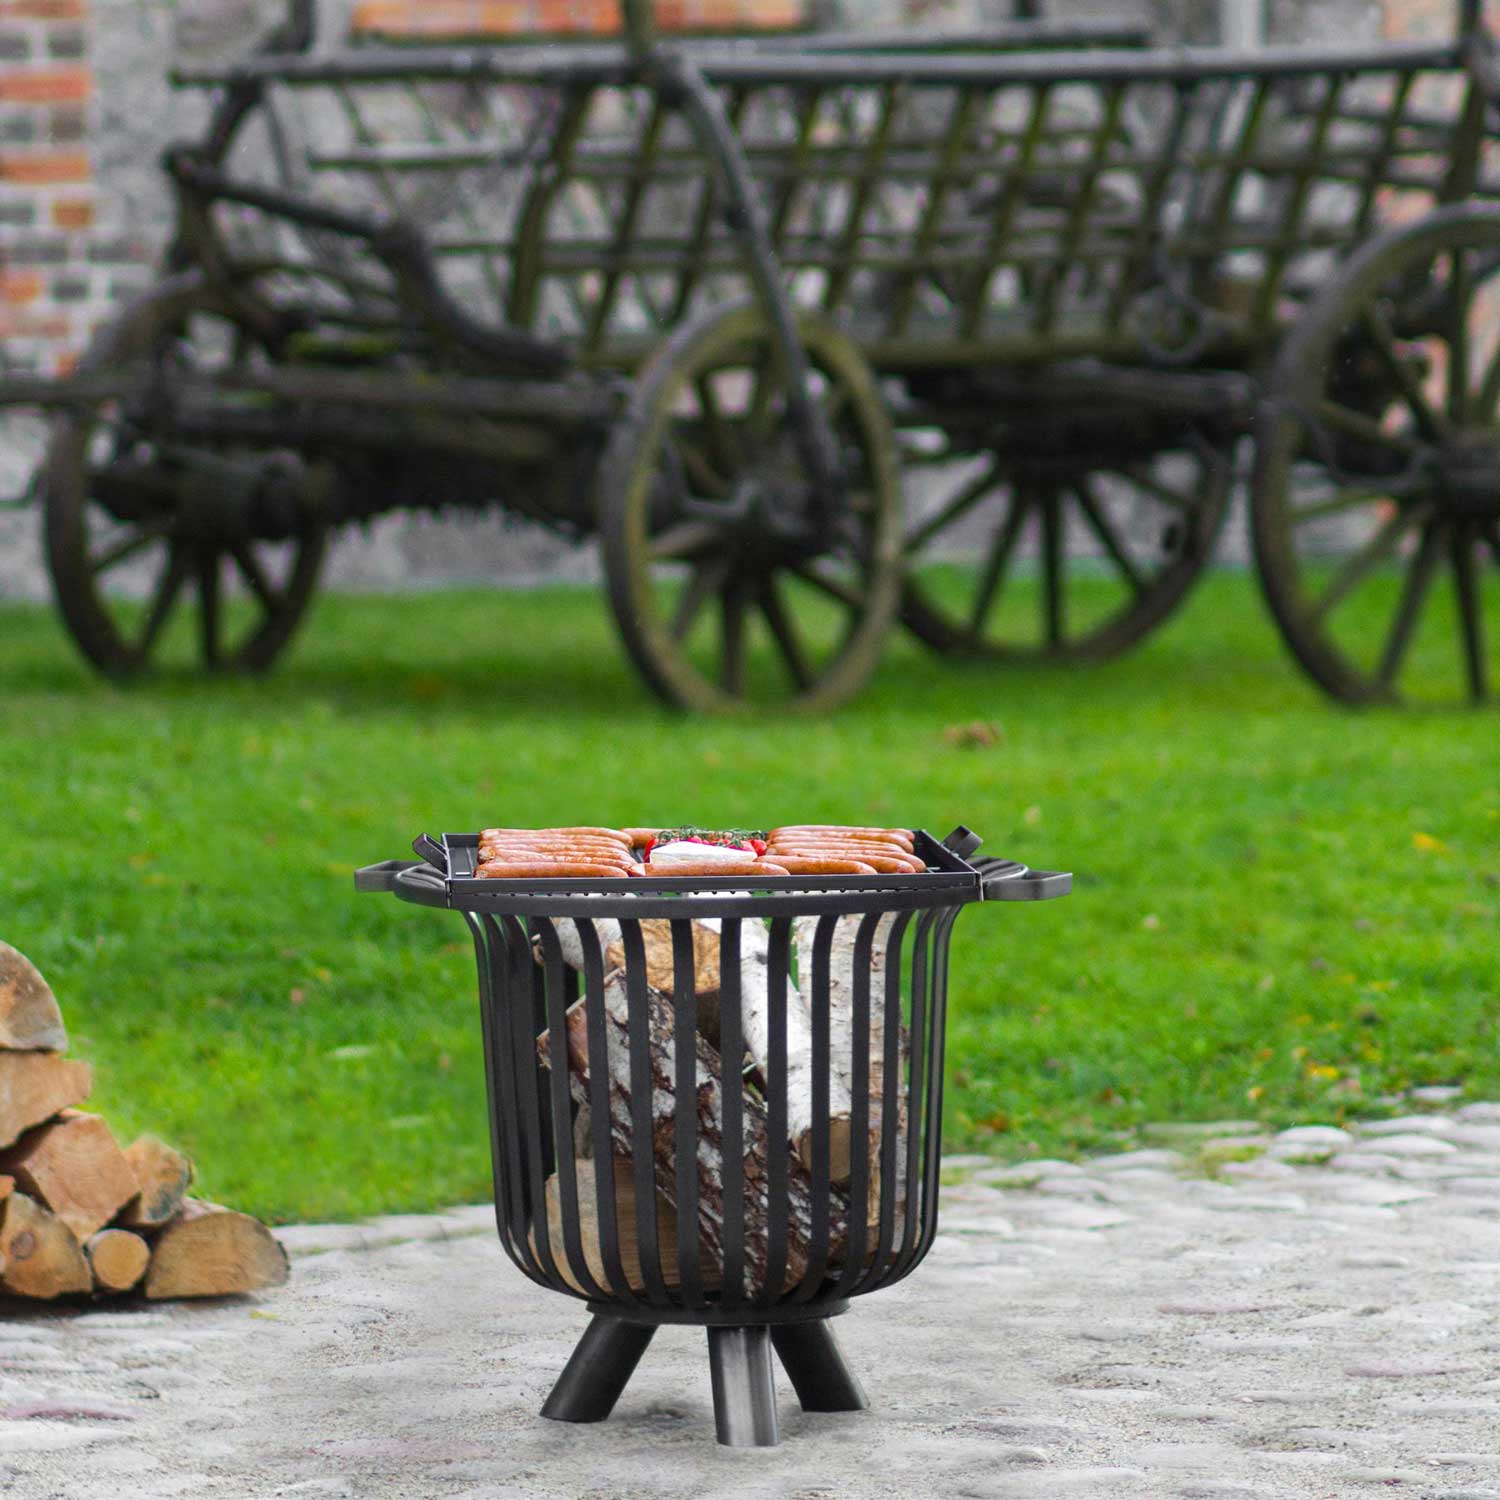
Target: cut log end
x=34, y=1086
x=162, y=1178
x=42, y=1258
x=29, y=1016
x=840, y=1150
x=73, y=1166
x=208, y=1251
x=117, y=1258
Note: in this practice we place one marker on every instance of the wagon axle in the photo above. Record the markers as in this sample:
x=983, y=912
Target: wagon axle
x=216, y=498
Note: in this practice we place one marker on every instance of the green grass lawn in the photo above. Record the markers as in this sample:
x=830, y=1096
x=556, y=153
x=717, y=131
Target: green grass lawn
x=1283, y=911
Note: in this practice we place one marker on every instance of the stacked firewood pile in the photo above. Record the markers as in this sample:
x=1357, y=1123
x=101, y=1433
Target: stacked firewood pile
x=754, y=1078
x=80, y=1216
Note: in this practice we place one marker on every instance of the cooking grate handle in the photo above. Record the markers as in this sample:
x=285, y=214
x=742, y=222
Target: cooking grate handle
x=1005, y=880
x=381, y=878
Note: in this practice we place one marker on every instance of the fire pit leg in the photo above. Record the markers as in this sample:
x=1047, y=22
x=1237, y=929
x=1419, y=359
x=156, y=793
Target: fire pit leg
x=599, y=1369
x=815, y=1365
x=739, y=1361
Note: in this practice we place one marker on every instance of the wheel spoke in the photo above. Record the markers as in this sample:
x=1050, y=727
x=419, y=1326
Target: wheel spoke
x=699, y=470
x=998, y=560
x=1384, y=340
x=1357, y=425
x=758, y=417
x=1143, y=479
x=1350, y=495
x=722, y=439
x=1470, y=613
x=833, y=407
x=772, y=607
x=701, y=587
x=1093, y=513
x=208, y=607
x=174, y=575
x=1054, y=604
x=732, y=627
x=960, y=505
x=1460, y=289
x=137, y=542
x=684, y=539
x=1413, y=596
x=1489, y=391
x=251, y=571
x=1371, y=555
x=835, y=588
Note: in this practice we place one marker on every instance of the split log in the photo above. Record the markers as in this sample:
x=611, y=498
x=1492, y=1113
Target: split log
x=162, y=1177
x=625, y=1228
x=74, y=1167
x=709, y=1105
x=209, y=1251
x=42, y=1259
x=661, y=968
x=661, y=963
x=34, y=1086
x=117, y=1258
x=29, y=1017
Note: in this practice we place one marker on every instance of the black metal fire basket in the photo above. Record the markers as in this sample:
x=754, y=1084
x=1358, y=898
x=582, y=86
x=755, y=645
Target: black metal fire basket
x=713, y=1105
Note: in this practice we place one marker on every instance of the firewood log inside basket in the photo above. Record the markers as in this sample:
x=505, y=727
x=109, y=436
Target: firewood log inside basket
x=712, y=1078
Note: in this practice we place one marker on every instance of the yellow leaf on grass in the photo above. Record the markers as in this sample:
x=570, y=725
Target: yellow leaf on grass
x=1424, y=843
x=1322, y=1070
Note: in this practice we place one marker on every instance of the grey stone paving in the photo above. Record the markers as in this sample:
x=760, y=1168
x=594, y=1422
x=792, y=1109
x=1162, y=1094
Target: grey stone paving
x=1216, y=1315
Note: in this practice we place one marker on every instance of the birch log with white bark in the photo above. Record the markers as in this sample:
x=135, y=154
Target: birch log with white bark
x=841, y=972
x=755, y=1024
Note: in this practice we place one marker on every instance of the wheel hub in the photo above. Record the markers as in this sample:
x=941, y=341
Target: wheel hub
x=1468, y=471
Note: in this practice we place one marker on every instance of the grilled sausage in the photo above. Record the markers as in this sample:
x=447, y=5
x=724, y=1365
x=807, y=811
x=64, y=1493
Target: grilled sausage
x=900, y=836
x=816, y=864
x=878, y=854
x=534, y=869
x=581, y=847
x=611, y=834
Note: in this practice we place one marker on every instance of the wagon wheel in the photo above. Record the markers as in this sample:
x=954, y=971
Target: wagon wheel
x=729, y=586
x=1377, y=483
x=138, y=517
x=1047, y=561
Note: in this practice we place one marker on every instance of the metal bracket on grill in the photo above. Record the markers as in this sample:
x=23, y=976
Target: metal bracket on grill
x=428, y=848
x=962, y=841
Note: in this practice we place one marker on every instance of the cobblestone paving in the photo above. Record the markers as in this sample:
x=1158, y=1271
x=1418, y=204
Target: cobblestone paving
x=1219, y=1314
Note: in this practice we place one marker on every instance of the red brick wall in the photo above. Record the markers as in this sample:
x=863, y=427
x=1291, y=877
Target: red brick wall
x=519, y=18
x=51, y=292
